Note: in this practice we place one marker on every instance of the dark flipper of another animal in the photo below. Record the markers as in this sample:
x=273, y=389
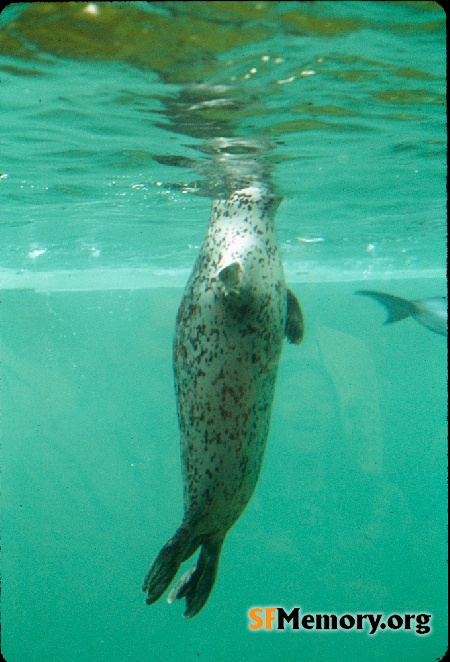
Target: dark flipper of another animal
x=398, y=308
x=295, y=328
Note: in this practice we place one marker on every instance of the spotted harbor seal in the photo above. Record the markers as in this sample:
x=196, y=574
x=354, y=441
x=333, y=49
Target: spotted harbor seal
x=431, y=312
x=232, y=320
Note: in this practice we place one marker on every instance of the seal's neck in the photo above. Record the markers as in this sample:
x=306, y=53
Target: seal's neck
x=252, y=206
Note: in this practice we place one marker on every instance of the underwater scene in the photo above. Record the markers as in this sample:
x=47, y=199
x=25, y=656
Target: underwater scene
x=223, y=237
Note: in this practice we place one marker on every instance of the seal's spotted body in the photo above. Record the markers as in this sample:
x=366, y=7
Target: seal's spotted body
x=229, y=333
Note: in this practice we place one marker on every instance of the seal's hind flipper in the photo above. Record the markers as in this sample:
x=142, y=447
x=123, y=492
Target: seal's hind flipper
x=197, y=583
x=295, y=328
x=398, y=308
x=175, y=551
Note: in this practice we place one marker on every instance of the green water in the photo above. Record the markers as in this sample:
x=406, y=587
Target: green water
x=349, y=513
x=101, y=223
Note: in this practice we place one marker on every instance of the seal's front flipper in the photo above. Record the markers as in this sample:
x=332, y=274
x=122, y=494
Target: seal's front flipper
x=230, y=278
x=398, y=308
x=295, y=328
x=197, y=583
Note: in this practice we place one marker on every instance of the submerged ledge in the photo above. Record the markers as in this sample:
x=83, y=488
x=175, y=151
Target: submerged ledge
x=147, y=277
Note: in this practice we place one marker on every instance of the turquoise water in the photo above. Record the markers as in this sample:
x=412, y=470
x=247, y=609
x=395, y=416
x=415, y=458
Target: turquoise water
x=106, y=182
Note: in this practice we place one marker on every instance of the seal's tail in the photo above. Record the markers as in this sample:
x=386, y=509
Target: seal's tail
x=197, y=583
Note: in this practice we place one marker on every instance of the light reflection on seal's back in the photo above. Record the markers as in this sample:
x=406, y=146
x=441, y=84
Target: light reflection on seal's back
x=231, y=323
